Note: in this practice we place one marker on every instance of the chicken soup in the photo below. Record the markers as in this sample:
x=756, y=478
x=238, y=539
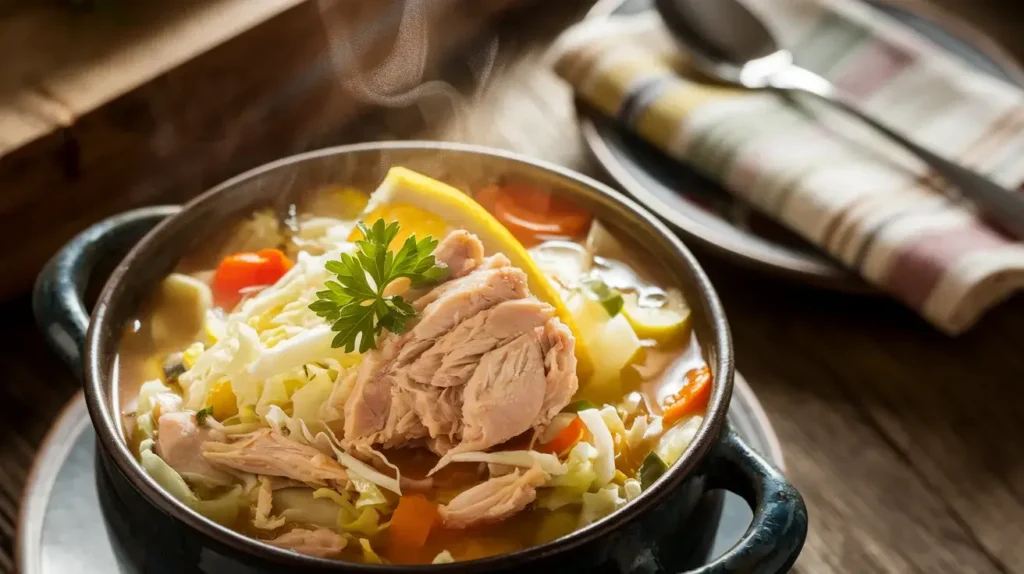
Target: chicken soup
x=413, y=375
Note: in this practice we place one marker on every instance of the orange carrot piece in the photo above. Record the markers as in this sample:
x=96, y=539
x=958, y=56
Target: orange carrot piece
x=533, y=214
x=693, y=397
x=411, y=522
x=566, y=438
x=247, y=269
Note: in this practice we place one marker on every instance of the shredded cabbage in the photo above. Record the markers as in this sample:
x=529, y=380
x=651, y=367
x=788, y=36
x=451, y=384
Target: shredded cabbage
x=273, y=335
x=282, y=424
x=147, y=395
x=635, y=434
x=152, y=394
x=632, y=402
x=611, y=419
x=336, y=496
x=675, y=440
x=369, y=494
x=227, y=358
x=274, y=394
x=307, y=347
x=308, y=400
x=215, y=328
x=223, y=510
x=654, y=428
x=360, y=468
x=369, y=556
x=600, y=504
x=287, y=288
x=300, y=506
x=145, y=426
x=604, y=465
x=237, y=428
x=549, y=463
x=631, y=488
x=568, y=488
x=327, y=443
x=368, y=523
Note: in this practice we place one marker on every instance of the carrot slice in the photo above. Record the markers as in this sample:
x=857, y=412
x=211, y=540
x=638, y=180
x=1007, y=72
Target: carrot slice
x=411, y=522
x=247, y=269
x=566, y=438
x=693, y=397
x=533, y=214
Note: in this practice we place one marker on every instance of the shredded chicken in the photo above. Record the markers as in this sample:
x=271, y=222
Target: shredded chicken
x=265, y=452
x=179, y=441
x=485, y=362
x=460, y=251
x=494, y=500
x=264, y=504
x=321, y=542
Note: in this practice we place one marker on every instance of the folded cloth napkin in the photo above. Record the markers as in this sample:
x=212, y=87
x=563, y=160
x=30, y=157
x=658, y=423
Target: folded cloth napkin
x=845, y=188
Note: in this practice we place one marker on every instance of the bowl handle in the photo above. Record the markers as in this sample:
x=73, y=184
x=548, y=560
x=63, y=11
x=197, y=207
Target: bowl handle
x=776, y=535
x=58, y=300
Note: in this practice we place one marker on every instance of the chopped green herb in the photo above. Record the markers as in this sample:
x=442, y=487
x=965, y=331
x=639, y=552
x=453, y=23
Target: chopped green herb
x=202, y=414
x=609, y=298
x=577, y=406
x=355, y=304
x=651, y=470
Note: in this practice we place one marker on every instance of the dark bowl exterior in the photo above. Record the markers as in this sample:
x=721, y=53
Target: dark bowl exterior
x=621, y=541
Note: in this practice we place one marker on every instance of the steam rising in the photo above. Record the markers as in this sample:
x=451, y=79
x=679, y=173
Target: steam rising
x=399, y=79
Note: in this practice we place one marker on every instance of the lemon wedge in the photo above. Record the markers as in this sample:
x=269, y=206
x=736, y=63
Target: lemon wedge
x=664, y=325
x=413, y=221
x=416, y=200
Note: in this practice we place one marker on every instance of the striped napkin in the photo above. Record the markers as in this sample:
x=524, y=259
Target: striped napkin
x=848, y=190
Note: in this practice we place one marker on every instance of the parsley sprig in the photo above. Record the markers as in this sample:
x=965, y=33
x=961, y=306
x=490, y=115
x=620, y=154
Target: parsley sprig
x=355, y=304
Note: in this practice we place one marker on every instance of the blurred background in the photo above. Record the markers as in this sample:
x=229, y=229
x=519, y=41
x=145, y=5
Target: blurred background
x=111, y=104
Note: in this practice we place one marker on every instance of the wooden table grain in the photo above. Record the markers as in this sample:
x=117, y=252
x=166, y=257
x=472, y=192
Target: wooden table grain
x=905, y=443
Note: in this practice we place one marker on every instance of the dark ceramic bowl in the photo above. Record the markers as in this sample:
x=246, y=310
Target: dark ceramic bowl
x=159, y=533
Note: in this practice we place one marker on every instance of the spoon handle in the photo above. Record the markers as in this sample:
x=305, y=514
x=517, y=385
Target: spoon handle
x=999, y=205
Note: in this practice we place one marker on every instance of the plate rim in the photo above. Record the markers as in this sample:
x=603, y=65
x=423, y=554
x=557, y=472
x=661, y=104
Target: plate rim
x=41, y=478
x=733, y=247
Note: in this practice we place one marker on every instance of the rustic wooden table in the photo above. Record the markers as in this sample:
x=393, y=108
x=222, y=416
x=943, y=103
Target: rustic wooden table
x=904, y=443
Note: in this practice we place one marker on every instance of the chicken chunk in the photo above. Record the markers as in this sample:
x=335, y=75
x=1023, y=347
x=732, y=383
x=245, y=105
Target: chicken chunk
x=452, y=360
x=321, y=542
x=179, y=441
x=505, y=395
x=559, y=348
x=450, y=302
x=494, y=500
x=460, y=251
x=367, y=412
x=485, y=362
x=268, y=453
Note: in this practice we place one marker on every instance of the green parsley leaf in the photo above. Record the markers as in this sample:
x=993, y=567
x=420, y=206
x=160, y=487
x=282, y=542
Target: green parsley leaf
x=354, y=302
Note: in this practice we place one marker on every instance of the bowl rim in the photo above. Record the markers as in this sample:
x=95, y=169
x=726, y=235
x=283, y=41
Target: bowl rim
x=108, y=423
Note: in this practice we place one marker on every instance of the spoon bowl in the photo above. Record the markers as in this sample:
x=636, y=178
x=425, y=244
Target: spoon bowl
x=725, y=40
x=728, y=42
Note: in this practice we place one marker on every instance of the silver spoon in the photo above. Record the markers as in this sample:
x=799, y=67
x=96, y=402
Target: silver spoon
x=729, y=43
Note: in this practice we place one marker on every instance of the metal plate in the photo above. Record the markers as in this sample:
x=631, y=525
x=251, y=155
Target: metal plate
x=700, y=210
x=61, y=529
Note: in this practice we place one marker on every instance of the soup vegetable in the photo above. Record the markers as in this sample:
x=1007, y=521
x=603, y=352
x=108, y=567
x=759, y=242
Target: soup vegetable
x=413, y=375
